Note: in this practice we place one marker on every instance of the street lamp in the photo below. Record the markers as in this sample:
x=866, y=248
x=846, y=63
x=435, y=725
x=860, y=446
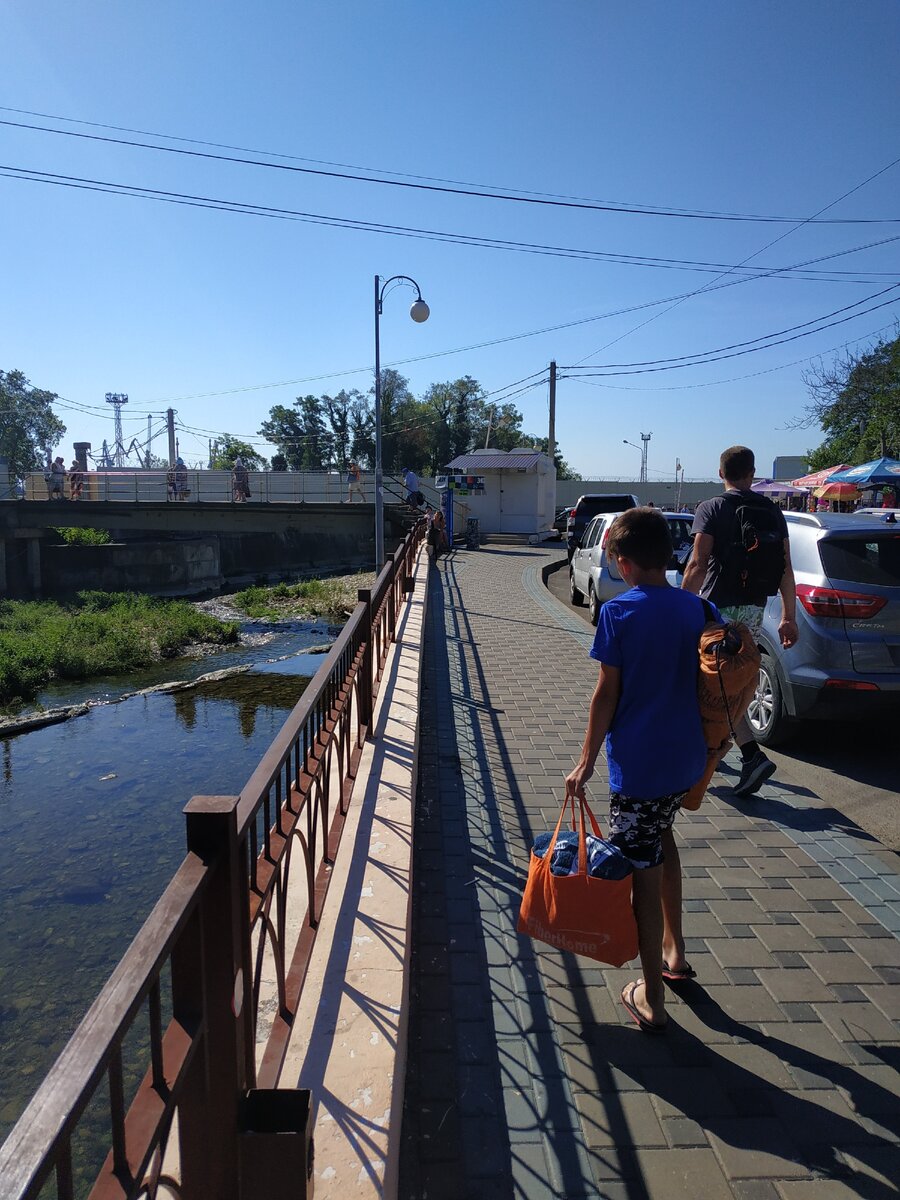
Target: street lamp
x=640, y=450
x=419, y=313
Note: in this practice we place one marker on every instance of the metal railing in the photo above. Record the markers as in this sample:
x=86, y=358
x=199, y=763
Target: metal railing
x=212, y=981
x=213, y=487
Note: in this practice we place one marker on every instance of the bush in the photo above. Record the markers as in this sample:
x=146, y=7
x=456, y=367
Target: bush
x=330, y=598
x=101, y=633
x=74, y=536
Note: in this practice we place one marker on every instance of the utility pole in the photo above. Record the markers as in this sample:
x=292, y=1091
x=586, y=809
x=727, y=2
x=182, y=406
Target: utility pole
x=170, y=425
x=487, y=440
x=551, y=433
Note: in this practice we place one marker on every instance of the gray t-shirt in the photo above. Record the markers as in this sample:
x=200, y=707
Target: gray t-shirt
x=716, y=517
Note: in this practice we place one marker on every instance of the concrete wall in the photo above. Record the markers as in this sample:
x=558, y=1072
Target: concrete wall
x=183, y=568
x=661, y=492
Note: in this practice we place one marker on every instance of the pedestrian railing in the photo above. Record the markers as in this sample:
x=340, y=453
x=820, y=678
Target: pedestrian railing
x=211, y=487
x=145, y=1099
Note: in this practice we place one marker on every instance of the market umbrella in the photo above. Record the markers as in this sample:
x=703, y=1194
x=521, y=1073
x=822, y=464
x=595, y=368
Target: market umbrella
x=877, y=473
x=817, y=478
x=775, y=487
x=837, y=491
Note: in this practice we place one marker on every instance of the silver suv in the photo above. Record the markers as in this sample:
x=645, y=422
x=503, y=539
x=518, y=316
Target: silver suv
x=846, y=661
x=593, y=575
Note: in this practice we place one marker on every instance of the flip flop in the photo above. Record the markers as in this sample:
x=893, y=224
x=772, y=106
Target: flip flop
x=642, y=1023
x=686, y=972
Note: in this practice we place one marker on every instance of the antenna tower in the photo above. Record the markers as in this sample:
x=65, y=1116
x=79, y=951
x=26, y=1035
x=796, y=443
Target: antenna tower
x=117, y=399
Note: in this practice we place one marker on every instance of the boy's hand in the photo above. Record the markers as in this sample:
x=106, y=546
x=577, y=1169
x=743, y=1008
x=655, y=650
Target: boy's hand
x=576, y=780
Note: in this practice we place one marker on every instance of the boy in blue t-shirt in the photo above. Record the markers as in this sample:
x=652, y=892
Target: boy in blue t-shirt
x=645, y=706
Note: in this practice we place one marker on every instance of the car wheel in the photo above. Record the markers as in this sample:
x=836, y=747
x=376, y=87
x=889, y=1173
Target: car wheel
x=593, y=604
x=574, y=595
x=765, y=714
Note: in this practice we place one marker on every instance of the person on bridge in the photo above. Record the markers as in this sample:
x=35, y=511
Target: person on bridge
x=181, y=475
x=76, y=480
x=56, y=479
x=240, y=481
x=354, y=482
x=723, y=569
x=413, y=496
x=645, y=706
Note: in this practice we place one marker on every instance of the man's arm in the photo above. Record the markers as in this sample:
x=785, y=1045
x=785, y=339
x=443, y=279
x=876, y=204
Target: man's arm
x=695, y=571
x=602, y=710
x=787, y=630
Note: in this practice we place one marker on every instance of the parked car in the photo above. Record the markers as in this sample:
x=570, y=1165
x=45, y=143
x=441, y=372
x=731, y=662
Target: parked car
x=594, y=577
x=560, y=521
x=846, y=662
x=587, y=507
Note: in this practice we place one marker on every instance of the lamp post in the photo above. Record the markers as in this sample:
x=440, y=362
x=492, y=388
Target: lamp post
x=419, y=313
x=640, y=450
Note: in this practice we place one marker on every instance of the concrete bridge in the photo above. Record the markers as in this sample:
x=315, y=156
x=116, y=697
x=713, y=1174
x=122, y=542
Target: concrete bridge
x=434, y=1052
x=182, y=549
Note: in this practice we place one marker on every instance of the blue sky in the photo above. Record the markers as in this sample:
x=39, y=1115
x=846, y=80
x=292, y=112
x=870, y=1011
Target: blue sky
x=750, y=108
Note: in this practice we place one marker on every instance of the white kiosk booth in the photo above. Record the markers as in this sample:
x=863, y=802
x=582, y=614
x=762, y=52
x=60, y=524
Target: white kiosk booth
x=519, y=490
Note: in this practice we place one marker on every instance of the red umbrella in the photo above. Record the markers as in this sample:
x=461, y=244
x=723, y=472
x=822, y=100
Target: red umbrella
x=818, y=477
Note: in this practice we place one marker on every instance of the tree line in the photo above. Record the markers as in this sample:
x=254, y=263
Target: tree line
x=856, y=401
x=320, y=433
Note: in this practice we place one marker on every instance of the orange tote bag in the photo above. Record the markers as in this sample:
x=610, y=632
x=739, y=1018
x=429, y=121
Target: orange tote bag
x=578, y=912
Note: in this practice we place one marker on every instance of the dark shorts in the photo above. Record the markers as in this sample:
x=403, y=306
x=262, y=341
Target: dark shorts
x=637, y=826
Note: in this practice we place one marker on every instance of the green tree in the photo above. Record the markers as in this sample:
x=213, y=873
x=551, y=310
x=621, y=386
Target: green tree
x=404, y=441
x=452, y=410
x=300, y=434
x=279, y=462
x=563, y=470
x=339, y=411
x=228, y=448
x=856, y=402
x=29, y=428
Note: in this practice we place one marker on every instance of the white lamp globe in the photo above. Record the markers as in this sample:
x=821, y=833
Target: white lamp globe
x=420, y=311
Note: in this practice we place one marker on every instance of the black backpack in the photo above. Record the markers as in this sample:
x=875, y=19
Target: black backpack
x=754, y=560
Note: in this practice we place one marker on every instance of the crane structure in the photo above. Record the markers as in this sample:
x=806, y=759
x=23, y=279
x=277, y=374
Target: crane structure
x=117, y=400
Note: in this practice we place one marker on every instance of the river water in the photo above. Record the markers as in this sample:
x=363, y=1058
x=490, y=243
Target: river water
x=91, y=827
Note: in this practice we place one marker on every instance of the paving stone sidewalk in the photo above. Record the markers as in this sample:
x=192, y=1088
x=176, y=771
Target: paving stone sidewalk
x=779, y=1075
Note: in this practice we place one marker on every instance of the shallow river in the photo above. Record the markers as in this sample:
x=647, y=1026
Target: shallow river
x=91, y=829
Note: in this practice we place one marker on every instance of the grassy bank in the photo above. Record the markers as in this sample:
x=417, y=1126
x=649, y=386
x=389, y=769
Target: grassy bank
x=99, y=633
x=332, y=598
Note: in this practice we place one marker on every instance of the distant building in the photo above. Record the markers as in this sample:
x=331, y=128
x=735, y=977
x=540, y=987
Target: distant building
x=789, y=466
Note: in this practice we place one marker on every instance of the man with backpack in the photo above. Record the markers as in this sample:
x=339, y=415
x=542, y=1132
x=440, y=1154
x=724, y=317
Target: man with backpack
x=741, y=556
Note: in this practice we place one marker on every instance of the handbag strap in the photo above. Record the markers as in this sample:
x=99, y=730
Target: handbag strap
x=583, y=807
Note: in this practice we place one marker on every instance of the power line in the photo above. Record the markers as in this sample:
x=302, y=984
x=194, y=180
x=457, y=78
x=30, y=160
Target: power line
x=753, y=350
x=762, y=249
x=701, y=354
x=685, y=387
x=478, y=241
x=355, y=176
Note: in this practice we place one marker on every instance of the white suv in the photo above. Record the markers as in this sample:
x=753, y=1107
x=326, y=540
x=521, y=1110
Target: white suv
x=594, y=577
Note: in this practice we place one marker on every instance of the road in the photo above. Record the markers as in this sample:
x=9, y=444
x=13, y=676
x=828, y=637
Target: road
x=851, y=768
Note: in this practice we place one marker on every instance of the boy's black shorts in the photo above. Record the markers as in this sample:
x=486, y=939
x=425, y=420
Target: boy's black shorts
x=636, y=826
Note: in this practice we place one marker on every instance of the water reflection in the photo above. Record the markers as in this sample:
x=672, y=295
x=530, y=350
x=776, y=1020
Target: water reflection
x=91, y=831
x=246, y=693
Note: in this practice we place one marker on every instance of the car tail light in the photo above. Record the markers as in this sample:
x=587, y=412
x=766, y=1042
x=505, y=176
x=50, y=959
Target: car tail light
x=605, y=537
x=832, y=602
x=852, y=685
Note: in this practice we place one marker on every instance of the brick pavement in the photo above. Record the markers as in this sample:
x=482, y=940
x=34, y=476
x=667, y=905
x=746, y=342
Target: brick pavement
x=779, y=1075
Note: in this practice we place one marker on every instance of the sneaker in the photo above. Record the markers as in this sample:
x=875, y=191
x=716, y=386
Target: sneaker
x=754, y=774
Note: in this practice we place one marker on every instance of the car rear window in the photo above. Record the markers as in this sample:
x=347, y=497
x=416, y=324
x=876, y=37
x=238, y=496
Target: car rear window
x=603, y=504
x=874, y=559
